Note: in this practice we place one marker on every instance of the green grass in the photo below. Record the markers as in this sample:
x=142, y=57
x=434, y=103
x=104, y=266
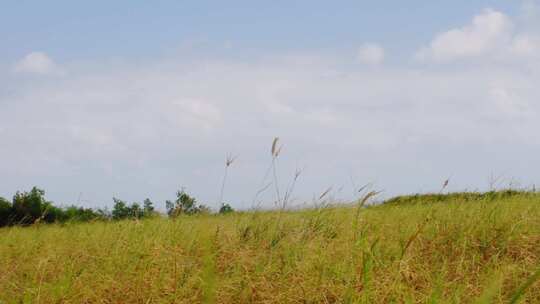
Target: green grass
x=452, y=251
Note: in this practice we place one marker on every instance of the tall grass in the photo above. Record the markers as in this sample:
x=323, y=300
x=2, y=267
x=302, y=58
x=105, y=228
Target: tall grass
x=455, y=251
x=228, y=162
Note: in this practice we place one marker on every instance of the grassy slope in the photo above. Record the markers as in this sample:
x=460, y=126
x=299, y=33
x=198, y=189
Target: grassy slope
x=451, y=252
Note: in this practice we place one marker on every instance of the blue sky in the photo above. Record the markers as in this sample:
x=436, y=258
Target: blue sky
x=140, y=29
x=138, y=99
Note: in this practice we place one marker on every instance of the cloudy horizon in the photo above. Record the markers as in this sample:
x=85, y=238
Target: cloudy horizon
x=459, y=101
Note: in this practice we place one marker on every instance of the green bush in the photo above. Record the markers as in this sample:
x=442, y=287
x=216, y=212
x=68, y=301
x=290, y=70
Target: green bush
x=5, y=211
x=28, y=207
x=122, y=210
x=225, y=208
x=31, y=207
x=80, y=214
x=184, y=204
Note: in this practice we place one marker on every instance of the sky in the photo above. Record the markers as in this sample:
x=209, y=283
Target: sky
x=136, y=99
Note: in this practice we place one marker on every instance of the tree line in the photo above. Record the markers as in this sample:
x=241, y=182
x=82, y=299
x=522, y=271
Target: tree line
x=31, y=207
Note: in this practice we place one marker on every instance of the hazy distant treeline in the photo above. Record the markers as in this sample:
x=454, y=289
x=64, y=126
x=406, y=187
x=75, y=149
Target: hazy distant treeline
x=30, y=207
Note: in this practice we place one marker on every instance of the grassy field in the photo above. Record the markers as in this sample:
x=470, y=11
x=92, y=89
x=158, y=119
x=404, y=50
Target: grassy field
x=451, y=251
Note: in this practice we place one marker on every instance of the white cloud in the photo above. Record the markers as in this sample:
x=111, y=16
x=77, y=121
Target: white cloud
x=146, y=129
x=37, y=63
x=487, y=33
x=149, y=129
x=370, y=53
x=525, y=45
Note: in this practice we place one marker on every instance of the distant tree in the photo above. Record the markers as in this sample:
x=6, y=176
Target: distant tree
x=184, y=204
x=170, y=207
x=51, y=214
x=120, y=209
x=225, y=208
x=74, y=213
x=5, y=212
x=148, y=207
x=104, y=213
x=135, y=211
x=29, y=206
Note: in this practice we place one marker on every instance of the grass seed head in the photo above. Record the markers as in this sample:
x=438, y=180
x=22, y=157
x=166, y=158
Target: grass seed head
x=275, y=148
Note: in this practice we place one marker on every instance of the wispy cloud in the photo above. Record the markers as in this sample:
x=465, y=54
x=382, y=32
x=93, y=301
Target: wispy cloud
x=370, y=53
x=37, y=63
x=152, y=127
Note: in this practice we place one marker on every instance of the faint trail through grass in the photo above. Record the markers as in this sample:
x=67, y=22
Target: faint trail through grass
x=209, y=275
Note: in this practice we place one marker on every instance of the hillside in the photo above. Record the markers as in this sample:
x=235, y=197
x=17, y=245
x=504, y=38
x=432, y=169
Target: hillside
x=455, y=251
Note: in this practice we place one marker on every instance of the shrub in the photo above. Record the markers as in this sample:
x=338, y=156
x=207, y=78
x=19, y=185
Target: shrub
x=225, y=208
x=148, y=207
x=5, y=212
x=81, y=214
x=29, y=206
x=122, y=210
x=184, y=204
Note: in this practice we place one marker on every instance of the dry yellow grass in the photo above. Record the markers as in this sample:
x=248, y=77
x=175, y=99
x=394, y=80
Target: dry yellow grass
x=454, y=252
